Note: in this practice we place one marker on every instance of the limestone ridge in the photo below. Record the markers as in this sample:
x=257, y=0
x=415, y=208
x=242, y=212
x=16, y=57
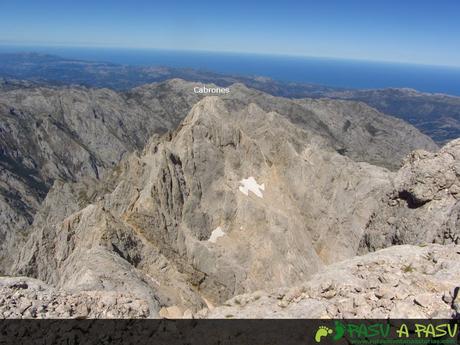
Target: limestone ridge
x=66, y=133
x=49, y=134
x=154, y=223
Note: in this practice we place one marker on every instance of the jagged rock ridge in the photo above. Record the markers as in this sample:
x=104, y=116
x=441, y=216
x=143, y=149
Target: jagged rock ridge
x=169, y=200
x=67, y=133
x=50, y=133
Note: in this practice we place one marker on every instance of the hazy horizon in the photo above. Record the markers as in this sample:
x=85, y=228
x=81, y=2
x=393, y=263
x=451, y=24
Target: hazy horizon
x=413, y=32
x=333, y=72
x=6, y=47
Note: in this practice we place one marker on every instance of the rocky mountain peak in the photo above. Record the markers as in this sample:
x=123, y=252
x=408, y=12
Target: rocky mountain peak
x=236, y=193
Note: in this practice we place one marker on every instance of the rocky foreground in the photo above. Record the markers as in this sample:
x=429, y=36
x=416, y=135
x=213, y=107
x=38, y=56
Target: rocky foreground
x=29, y=298
x=399, y=282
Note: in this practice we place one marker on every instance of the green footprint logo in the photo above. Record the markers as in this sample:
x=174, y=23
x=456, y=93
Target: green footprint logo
x=339, y=330
x=322, y=331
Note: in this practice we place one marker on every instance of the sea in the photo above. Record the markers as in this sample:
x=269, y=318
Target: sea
x=343, y=73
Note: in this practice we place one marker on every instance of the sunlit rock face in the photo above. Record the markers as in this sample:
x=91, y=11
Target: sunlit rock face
x=184, y=212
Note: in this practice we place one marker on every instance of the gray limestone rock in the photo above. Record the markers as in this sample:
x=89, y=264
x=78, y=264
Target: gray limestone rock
x=415, y=296
x=422, y=205
x=233, y=201
x=28, y=298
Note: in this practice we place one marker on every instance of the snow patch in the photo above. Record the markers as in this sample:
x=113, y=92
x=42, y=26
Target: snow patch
x=251, y=185
x=217, y=233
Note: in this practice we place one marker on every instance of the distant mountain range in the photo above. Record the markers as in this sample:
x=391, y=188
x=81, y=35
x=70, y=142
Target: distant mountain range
x=436, y=115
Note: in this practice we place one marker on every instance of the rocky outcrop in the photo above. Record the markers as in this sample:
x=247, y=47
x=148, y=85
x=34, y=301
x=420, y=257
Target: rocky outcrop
x=27, y=298
x=422, y=204
x=397, y=282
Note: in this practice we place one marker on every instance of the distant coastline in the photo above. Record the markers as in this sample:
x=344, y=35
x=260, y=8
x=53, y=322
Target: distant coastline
x=331, y=72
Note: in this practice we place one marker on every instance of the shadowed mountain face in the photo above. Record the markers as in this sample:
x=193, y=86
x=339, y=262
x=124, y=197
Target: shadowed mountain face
x=435, y=115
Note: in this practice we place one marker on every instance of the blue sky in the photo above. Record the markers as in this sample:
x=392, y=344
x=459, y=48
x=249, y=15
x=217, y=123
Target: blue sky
x=411, y=31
